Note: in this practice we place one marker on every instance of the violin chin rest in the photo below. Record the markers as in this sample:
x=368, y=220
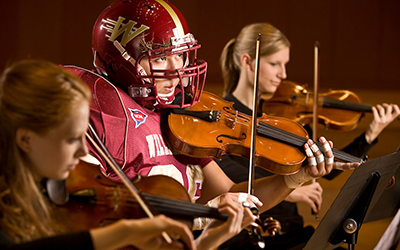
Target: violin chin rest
x=57, y=191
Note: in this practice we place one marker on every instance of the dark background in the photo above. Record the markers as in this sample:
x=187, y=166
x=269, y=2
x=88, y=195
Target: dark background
x=359, y=38
x=359, y=42
x=359, y=52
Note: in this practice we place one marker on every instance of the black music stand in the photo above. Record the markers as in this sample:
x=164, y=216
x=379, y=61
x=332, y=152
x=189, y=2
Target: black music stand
x=354, y=202
x=388, y=204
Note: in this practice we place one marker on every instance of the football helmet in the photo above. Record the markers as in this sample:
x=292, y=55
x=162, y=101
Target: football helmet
x=130, y=32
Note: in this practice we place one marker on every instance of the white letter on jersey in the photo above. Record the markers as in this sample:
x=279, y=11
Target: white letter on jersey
x=157, y=146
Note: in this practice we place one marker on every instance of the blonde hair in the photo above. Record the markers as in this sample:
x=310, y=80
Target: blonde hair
x=37, y=95
x=272, y=41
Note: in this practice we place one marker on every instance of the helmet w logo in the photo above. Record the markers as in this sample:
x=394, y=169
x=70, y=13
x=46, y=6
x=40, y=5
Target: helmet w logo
x=116, y=28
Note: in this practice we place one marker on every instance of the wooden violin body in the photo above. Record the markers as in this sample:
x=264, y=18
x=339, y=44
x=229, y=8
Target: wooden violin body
x=337, y=109
x=212, y=128
x=95, y=200
x=231, y=135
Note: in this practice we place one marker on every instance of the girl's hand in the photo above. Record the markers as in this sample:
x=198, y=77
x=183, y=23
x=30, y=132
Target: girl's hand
x=383, y=115
x=310, y=194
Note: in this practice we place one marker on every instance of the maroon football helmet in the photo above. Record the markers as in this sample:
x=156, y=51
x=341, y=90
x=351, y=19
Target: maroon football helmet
x=126, y=32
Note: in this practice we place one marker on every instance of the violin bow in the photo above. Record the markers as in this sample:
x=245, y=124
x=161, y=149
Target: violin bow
x=250, y=188
x=315, y=104
x=101, y=148
x=316, y=83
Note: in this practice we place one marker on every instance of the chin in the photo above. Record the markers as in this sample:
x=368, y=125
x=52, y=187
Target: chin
x=61, y=176
x=273, y=89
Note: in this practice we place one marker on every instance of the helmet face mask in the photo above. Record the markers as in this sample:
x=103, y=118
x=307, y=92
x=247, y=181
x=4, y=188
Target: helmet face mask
x=129, y=36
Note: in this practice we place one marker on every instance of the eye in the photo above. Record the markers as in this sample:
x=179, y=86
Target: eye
x=75, y=139
x=273, y=64
x=160, y=59
x=72, y=140
x=181, y=58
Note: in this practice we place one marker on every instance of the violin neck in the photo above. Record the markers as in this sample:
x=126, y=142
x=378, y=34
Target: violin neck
x=178, y=208
x=284, y=136
x=336, y=103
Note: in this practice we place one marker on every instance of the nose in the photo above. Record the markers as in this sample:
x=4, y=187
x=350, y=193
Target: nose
x=282, y=73
x=83, y=149
x=174, y=63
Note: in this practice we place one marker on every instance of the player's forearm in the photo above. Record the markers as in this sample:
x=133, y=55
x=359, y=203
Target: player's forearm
x=270, y=190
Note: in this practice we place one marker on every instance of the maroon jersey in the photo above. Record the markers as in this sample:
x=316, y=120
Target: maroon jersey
x=132, y=134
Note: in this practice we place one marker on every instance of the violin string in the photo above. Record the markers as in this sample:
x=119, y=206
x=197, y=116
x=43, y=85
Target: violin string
x=159, y=201
x=298, y=141
x=121, y=197
x=191, y=209
x=342, y=104
x=281, y=135
x=179, y=207
x=269, y=131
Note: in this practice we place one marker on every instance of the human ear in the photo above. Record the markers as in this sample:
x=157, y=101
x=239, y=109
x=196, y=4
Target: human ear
x=23, y=138
x=245, y=61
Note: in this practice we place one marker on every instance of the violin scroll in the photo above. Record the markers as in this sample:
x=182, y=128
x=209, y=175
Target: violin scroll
x=267, y=228
x=271, y=226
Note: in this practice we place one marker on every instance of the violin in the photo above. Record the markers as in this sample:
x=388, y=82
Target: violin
x=337, y=109
x=95, y=201
x=212, y=127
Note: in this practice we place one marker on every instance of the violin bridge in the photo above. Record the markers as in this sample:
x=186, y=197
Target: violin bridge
x=116, y=197
x=236, y=116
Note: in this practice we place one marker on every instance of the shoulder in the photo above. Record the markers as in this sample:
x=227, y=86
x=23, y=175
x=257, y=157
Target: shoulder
x=91, y=78
x=104, y=91
x=88, y=76
x=238, y=105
